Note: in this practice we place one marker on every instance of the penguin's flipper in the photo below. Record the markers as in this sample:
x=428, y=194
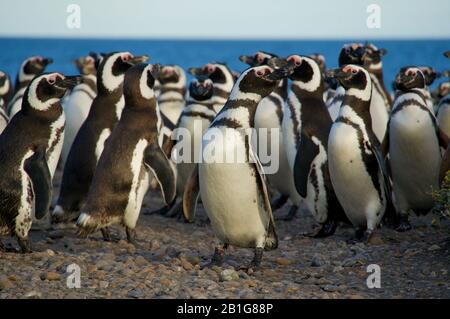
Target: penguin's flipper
x=190, y=196
x=272, y=238
x=306, y=154
x=156, y=160
x=37, y=169
x=444, y=140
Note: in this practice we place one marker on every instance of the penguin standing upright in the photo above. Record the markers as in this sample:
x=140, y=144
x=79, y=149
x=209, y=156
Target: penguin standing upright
x=132, y=153
x=412, y=140
x=230, y=177
x=89, y=142
x=26, y=183
x=222, y=78
x=28, y=70
x=308, y=160
x=172, y=92
x=357, y=168
x=445, y=104
x=78, y=103
x=193, y=122
x=268, y=117
x=443, y=114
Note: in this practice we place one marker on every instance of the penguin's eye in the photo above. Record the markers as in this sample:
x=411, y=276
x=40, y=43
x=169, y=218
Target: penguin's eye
x=354, y=71
x=51, y=81
x=259, y=58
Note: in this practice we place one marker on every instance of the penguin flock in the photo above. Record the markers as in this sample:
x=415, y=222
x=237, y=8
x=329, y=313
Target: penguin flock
x=343, y=148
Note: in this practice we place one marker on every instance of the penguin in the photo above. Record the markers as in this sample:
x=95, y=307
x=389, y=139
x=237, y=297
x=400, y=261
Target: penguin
x=222, y=78
x=78, y=103
x=131, y=155
x=357, y=169
x=351, y=53
x=193, y=122
x=308, y=150
x=233, y=189
x=3, y=120
x=172, y=92
x=329, y=86
x=6, y=89
x=269, y=116
x=443, y=113
x=445, y=167
x=412, y=141
x=89, y=142
x=25, y=144
x=430, y=76
x=28, y=70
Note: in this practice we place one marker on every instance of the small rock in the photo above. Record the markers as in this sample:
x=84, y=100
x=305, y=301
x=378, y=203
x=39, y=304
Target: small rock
x=5, y=283
x=103, y=284
x=356, y=297
x=317, y=261
x=283, y=261
x=33, y=295
x=51, y=276
x=135, y=293
x=329, y=288
x=194, y=260
x=187, y=265
x=13, y=277
x=56, y=234
x=140, y=261
x=229, y=275
x=50, y=252
x=434, y=247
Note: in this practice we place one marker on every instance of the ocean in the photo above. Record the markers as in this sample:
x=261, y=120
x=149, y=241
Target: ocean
x=188, y=53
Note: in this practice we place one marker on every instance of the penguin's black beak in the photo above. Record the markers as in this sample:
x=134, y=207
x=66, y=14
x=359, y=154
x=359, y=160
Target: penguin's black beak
x=336, y=74
x=283, y=72
x=247, y=59
x=69, y=82
x=447, y=54
x=138, y=59
x=155, y=70
x=197, y=71
x=445, y=74
x=47, y=61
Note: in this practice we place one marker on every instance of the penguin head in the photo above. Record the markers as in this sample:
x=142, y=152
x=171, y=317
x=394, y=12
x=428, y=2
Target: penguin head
x=354, y=79
x=447, y=54
x=372, y=56
x=306, y=72
x=259, y=58
x=4, y=82
x=351, y=54
x=259, y=81
x=201, y=88
x=113, y=67
x=47, y=89
x=218, y=73
x=172, y=74
x=409, y=78
x=86, y=65
x=320, y=60
x=443, y=89
x=139, y=83
x=33, y=66
x=430, y=74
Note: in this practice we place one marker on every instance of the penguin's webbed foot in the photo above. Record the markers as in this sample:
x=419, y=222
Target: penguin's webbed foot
x=290, y=215
x=255, y=264
x=218, y=257
x=279, y=202
x=106, y=233
x=25, y=246
x=131, y=236
x=367, y=236
x=404, y=224
x=176, y=210
x=323, y=230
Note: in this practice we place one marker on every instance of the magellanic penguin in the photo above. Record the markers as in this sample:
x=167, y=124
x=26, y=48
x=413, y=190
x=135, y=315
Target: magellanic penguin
x=26, y=184
x=329, y=85
x=308, y=160
x=131, y=155
x=445, y=167
x=350, y=54
x=193, y=122
x=28, y=70
x=230, y=177
x=443, y=113
x=88, y=145
x=268, y=117
x=172, y=92
x=412, y=141
x=222, y=78
x=6, y=89
x=357, y=169
x=78, y=103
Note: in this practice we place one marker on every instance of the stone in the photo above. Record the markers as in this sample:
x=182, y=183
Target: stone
x=187, y=265
x=135, y=293
x=283, y=261
x=56, y=234
x=228, y=275
x=434, y=247
x=33, y=295
x=5, y=283
x=317, y=261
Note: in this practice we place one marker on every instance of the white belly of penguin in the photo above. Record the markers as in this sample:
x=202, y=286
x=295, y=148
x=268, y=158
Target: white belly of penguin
x=415, y=158
x=172, y=109
x=77, y=109
x=443, y=118
x=57, y=139
x=290, y=130
x=25, y=212
x=17, y=106
x=139, y=186
x=352, y=184
x=379, y=115
x=334, y=105
x=231, y=198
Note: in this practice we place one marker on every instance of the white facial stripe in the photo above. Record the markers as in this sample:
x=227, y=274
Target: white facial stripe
x=146, y=92
x=377, y=66
x=364, y=94
x=110, y=81
x=237, y=94
x=315, y=82
x=33, y=99
x=5, y=88
x=24, y=76
x=229, y=80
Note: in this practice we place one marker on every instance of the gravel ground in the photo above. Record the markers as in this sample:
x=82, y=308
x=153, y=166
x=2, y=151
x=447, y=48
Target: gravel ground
x=166, y=263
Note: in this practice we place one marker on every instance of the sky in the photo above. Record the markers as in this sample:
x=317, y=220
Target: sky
x=235, y=19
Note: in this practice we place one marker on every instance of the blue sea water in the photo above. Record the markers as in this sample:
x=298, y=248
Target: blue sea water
x=188, y=53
